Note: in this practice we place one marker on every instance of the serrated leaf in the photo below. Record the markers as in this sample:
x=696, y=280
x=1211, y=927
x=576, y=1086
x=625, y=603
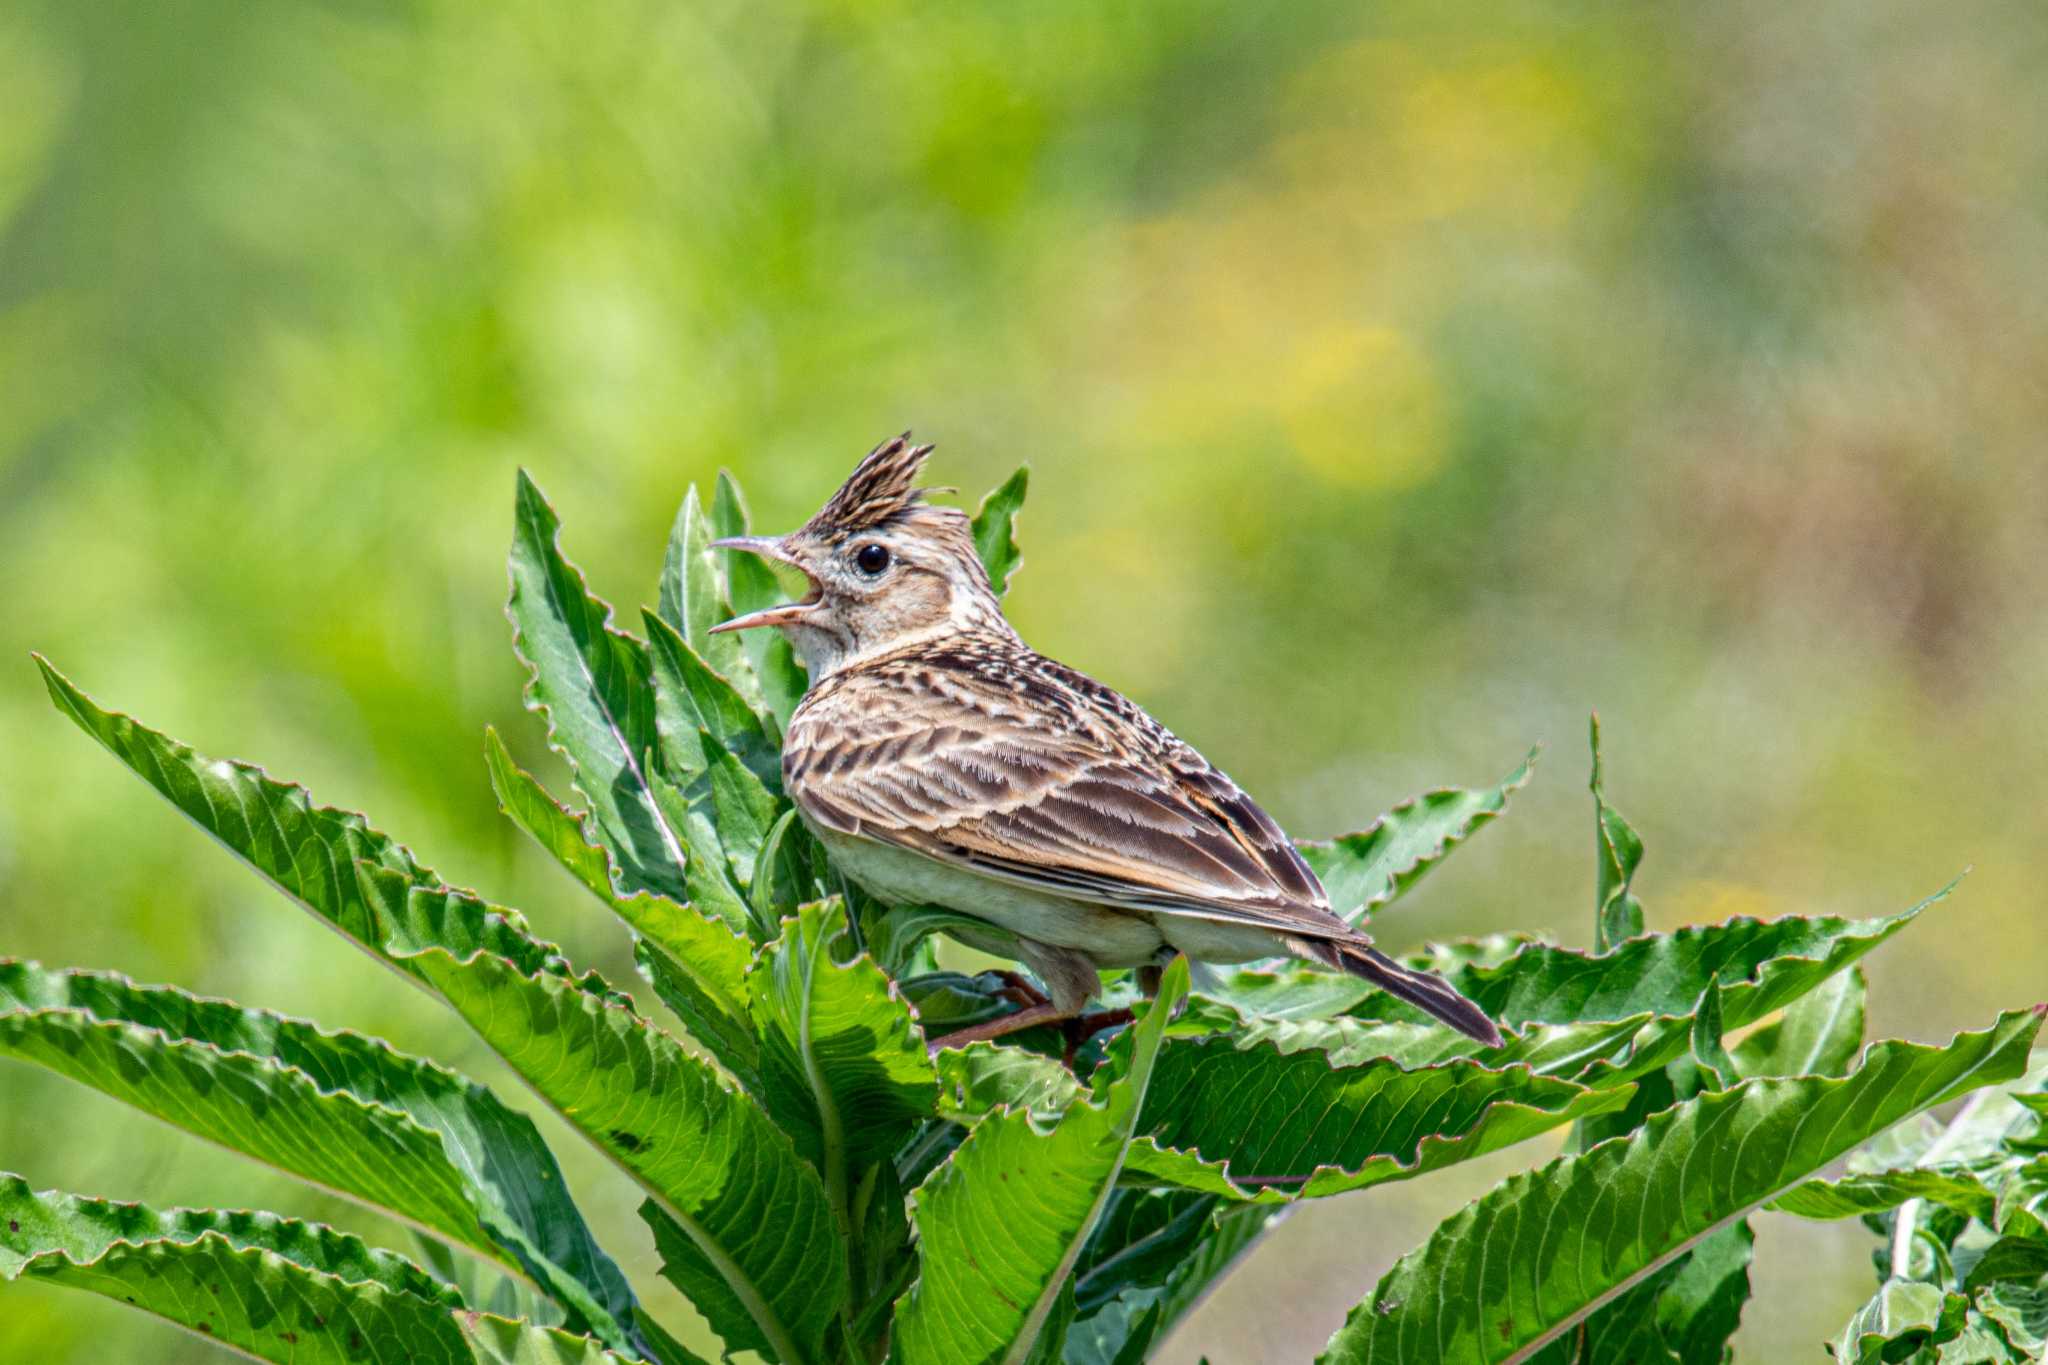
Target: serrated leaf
x=741, y=807
x=981, y=1078
x=266, y=1287
x=1819, y=1035
x=1709, y=1054
x=1854, y=1196
x=572, y=1038
x=843, y=1062
x=995, y=529
x=982, y=1297
x=692, y=699
x=594, y=686
x=1124, y=1330
x=709, y=877
x=1683, y=1315
x=1525, y=1263
x=309, y=852
x=1903, y=1317
x=1567, y=1050
x=1617, y=914
x=784, y=872
x=696, y=963
x=1297, y=1124
x=707, y=1155
x=692, y=595
x=342, y=1111
x=1364, y=871
x=1761, y=966
x=751, y=586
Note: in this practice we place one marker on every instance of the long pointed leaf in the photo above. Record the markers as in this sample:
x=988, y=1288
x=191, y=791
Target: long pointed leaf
x=696, y=963
x=691, y=697
x=1520, y=1267
x=751, y=586
x=1365, y=871
x=594, y=686
x=1003, y=1222
x=339, y=1110
x=692, y=596
x=266, y=1287
x=1299, y=1125
x=708, y=1156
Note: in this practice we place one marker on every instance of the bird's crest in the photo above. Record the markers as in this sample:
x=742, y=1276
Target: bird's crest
x=881, y=489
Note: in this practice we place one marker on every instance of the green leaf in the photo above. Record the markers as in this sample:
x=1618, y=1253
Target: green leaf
x=751, y=586
x=1683, y=1315
x=785, y=871
x=1297, y=1124
x=692, y=699
x=1708, y=1051
x=709, y=876
x=741, y=807
x=995, y=529
x=696, y=963
x=1002, y=1223
x=1902, y=1318
x=1193, y=1246
x=844, y=1064
x=82, y=1229
x=1617, y=914
x=1819, y=1034
x=594, y=687
x=748, y=1205
x=1370, y=869
x=1761, y=966
x=2009, y=1258
x=896, y=935
x=265, y=1287
x=979, y=1079
x=339, y=1110
x=1599, y=1223
x=1854, y=1196
x=309, y=852
x=1593, y=1051
x=692, y=597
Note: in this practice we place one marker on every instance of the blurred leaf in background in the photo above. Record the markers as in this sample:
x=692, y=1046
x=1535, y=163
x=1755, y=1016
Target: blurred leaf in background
x=1397, y=385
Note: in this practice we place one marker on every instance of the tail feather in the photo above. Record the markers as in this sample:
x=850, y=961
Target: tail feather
x=1425, y=990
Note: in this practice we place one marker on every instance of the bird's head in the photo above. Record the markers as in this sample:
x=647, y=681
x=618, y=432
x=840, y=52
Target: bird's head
x=885, y=568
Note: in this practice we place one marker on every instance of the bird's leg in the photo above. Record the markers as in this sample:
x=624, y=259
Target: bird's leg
x=1018, y=990
x=1082, y=1027
x=1044, y=1012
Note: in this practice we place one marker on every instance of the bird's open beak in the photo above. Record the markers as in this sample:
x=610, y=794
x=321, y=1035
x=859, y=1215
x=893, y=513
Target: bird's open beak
x=789, y=613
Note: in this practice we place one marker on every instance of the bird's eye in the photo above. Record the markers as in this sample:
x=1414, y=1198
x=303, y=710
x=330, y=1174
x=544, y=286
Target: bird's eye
x=872, y=558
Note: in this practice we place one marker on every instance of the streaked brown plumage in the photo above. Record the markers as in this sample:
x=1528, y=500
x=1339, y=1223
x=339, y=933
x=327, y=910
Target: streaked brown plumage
x=941, y=759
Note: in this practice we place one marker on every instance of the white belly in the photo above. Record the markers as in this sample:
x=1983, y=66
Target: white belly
x=1110, y=938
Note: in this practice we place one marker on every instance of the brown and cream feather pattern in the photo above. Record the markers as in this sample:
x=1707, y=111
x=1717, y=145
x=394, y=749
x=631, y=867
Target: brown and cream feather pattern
x=979, y=751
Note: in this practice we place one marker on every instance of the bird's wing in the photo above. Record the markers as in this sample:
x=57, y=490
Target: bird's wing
x=1022, y=769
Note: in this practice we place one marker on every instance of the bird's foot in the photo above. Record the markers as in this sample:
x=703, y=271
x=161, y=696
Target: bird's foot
x=1019, y=990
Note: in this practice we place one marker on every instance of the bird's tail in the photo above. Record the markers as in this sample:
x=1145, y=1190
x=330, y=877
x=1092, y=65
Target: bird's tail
x=1425, y=990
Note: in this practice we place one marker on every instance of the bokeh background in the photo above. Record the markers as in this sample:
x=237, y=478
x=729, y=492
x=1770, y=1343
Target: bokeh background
x=1399, y=384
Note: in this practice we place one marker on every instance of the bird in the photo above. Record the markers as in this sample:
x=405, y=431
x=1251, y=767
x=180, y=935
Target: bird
x=941, y=760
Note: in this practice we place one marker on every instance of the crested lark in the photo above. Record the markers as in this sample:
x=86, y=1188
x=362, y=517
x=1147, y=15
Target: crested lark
x=942, y=760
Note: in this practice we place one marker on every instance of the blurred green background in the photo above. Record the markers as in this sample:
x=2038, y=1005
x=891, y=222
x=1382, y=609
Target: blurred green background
x=1398, y=385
